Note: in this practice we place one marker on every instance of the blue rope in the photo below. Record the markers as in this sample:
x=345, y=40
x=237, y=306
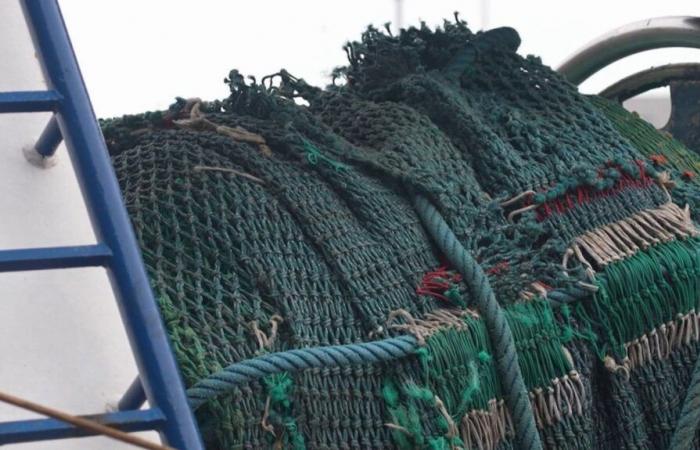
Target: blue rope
x=296, y=360
x=499, y=331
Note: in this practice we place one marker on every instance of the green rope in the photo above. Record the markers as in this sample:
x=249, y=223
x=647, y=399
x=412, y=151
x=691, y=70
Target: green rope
x=497, y=325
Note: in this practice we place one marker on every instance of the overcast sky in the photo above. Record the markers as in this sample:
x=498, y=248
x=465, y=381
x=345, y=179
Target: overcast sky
x=138, y=55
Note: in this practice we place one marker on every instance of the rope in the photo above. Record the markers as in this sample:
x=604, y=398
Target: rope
x=296, y=360
x=688, y=421
x=499, y=332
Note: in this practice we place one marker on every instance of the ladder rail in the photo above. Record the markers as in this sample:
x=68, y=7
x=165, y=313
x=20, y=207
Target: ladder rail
x=50, y=429
x=54, y=258
x=29, y=101
x=117, y=248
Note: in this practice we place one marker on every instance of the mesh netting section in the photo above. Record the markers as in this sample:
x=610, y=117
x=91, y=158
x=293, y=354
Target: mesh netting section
x=267, y=226
x=520, y=123
x=662, y=149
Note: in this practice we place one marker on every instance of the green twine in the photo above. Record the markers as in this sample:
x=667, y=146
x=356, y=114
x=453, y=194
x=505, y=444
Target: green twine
x=424, y=358
x=407, y=425
x=484, y=357
x=412, y=390
x=439, y=443
x=539, y=339
x=456, y=366
x=461, y=371
x=186, y=342
x=455, y=296
x=279, y=389
x=407, y=429
x=314, y=155
x=639, y=293
x=472, y=387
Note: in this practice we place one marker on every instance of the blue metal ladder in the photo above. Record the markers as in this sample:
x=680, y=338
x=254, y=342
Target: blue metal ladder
x=116, y=250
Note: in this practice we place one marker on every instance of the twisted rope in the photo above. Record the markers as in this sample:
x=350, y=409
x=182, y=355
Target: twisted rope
x=296, y=360
x=499, y=332
x=688, y=421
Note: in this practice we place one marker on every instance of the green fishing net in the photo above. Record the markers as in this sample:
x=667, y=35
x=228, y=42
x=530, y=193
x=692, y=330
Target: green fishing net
x=267, y=226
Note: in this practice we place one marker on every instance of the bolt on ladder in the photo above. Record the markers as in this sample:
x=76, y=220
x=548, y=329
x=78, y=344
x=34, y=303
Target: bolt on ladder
x=117, y=249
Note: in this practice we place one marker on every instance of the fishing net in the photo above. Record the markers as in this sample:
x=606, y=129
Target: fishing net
x=309, y=261
x=661, y=150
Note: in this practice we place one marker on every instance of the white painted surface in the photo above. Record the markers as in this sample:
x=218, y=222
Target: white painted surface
x=61, y=339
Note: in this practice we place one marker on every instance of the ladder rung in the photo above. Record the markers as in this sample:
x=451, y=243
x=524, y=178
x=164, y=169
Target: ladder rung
x=54, y=257
x=45, y=429
x=29, y=101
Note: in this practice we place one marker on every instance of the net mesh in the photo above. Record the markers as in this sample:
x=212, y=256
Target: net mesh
x=268, y=226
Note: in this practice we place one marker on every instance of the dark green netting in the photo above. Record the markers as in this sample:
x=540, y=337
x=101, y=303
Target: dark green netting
x=267, y=226
x=660, y=149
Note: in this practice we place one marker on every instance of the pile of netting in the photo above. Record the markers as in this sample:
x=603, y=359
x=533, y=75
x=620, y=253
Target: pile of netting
x=448, y=248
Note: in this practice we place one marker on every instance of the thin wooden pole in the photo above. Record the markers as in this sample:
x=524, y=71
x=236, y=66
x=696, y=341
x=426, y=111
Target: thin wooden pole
x=82, y=422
